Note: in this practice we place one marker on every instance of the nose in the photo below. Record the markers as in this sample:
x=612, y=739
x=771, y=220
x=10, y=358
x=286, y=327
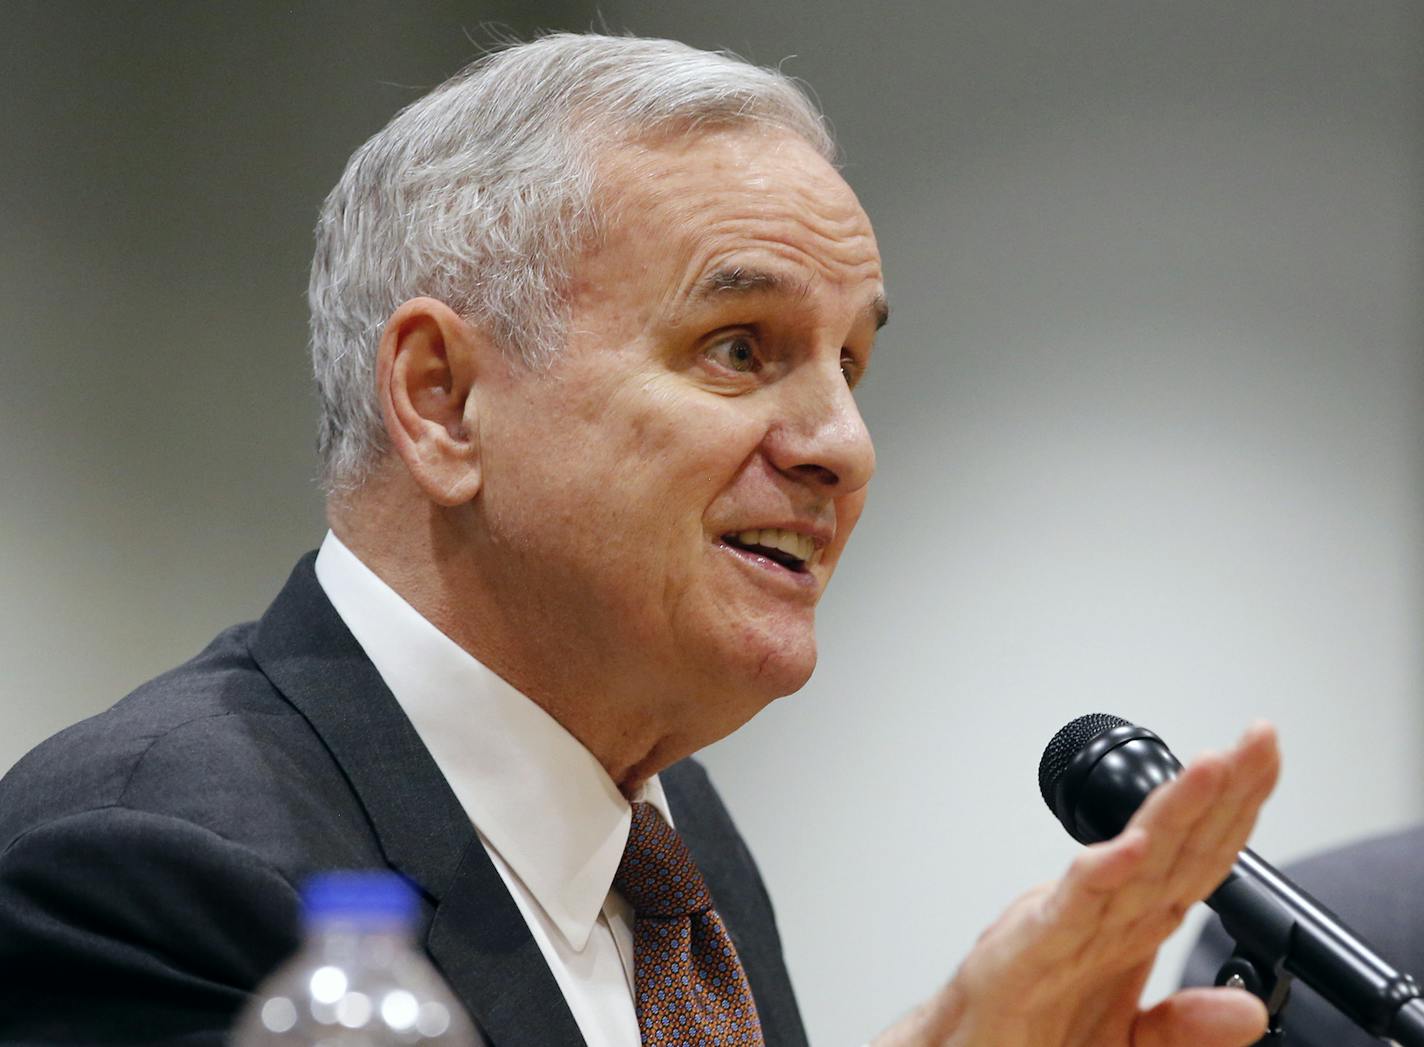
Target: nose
x=818, y=436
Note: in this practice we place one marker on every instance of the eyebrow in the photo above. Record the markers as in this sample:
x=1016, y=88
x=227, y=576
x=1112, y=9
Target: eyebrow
x=739, y=281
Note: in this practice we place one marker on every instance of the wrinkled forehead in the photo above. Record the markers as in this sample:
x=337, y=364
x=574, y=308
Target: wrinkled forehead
x=716, y=201
x=684, y=171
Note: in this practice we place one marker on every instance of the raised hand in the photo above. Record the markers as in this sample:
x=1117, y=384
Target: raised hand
x=1064, y=966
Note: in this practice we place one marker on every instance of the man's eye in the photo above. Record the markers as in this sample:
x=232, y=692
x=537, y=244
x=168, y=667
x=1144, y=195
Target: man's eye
x=736, y=353
x=851, y=370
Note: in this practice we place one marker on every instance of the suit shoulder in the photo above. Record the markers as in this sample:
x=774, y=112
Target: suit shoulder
x=94, y=762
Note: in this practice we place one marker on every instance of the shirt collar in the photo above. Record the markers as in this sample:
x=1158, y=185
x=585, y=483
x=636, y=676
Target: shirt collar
x=537, y=796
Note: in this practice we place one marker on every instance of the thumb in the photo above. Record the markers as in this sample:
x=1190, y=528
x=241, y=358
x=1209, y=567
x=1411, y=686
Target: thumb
x=1202, y=1018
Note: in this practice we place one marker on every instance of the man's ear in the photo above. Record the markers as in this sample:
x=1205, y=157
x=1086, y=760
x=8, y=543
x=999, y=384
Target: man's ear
x=426, y=369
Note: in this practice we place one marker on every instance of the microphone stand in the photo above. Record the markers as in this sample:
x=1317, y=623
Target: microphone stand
x=1274, y=922
x=1266, y=980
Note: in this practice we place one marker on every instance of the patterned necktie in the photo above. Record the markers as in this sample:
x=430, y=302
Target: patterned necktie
x=690, y=986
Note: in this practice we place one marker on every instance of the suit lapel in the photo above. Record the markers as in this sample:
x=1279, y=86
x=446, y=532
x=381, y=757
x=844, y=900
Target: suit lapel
x=487, y=953
x=477, y=937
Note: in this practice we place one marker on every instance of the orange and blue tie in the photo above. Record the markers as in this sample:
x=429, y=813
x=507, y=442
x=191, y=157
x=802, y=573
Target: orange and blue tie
x=689, y=985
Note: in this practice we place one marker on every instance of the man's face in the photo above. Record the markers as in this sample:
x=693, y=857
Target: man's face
x=670, y=499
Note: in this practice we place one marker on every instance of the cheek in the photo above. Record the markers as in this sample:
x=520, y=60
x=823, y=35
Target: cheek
x=693, y=444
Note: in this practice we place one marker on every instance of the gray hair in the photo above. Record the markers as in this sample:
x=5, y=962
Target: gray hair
x=482, y=195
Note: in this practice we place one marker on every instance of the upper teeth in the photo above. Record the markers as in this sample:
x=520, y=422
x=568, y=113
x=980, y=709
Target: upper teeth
x=798, y=545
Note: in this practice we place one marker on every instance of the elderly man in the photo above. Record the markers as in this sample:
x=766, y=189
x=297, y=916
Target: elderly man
x=587, y=322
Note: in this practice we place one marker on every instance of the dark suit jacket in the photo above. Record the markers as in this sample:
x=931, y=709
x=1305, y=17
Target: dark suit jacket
x=1377, y=888
x=149, y=856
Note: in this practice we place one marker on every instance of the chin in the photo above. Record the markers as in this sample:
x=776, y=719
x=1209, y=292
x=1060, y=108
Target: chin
x=741, y=684
x=776, y=666
x=748, y=667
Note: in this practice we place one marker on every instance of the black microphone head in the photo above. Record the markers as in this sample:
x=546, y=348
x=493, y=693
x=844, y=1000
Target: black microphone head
x=1097, y=771
x=1068, y=743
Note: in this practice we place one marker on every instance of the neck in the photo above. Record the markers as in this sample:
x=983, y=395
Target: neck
x=434, y=564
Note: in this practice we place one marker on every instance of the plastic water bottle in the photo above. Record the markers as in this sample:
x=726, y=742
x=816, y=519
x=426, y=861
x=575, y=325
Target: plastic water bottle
x=358, y=980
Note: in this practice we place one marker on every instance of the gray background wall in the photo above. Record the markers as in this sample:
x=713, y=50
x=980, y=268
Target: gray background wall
x=1149, y=412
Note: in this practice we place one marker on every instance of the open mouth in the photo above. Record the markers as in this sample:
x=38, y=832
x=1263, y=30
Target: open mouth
x=796, y=552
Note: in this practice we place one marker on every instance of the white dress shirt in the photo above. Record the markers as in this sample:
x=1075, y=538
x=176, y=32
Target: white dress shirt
x=551, y=819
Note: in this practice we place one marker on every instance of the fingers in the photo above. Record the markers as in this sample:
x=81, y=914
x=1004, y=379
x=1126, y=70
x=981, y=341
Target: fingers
x=1208, y=819
x=1200, y=822
x=1202, y=1018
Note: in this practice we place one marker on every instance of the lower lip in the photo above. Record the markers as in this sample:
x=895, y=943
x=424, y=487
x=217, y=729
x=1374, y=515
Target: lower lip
x=803, y=582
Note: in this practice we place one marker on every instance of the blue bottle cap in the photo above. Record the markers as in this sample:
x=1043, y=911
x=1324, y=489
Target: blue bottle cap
x=361, y=896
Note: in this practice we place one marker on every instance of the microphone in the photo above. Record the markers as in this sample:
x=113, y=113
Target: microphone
x=1096, y=772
